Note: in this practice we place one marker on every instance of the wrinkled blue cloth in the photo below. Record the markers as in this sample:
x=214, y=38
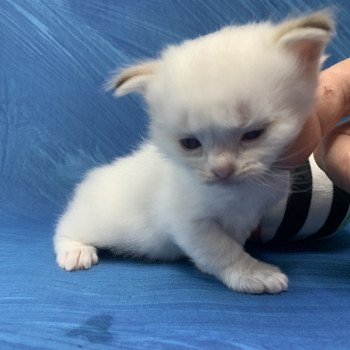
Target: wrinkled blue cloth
x=56, y=122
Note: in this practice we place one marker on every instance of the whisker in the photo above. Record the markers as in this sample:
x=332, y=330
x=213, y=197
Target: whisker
x=297, y=181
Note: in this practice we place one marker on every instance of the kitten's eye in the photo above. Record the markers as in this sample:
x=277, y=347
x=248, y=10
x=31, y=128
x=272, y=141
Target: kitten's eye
x=252, y=135
x=190, y=143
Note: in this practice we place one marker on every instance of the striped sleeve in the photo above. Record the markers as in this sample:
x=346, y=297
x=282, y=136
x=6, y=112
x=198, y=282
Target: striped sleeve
x=315, y=208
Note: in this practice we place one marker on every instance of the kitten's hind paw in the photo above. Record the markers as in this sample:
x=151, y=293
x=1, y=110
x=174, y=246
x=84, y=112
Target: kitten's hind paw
x=76, y=256
x=259, y=278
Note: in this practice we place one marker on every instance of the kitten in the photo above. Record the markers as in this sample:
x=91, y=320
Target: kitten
x=222, y=108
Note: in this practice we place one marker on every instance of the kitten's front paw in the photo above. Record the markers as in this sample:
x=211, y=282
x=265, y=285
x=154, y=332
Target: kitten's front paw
x=76, y=256
x=257, y=278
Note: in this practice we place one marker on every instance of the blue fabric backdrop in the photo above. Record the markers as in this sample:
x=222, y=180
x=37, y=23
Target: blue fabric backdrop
x=56, y=122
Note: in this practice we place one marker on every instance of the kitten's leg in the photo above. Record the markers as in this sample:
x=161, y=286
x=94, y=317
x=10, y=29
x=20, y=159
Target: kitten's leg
x=214, y=252
x=73, y=255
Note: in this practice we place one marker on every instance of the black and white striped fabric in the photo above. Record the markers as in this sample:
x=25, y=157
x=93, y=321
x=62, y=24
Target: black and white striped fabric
x=314, y=208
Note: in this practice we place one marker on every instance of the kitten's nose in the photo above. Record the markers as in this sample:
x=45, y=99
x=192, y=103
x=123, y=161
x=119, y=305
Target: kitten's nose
x=224, y=171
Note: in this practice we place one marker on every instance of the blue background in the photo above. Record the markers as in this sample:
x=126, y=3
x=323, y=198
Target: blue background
x=56, y=122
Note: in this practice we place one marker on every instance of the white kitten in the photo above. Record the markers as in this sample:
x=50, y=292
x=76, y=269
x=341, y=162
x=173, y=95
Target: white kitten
x=223, y=107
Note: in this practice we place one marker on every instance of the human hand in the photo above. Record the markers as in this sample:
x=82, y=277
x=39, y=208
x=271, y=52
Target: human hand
x=330, y=143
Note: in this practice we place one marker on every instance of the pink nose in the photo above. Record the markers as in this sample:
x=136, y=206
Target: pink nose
x=224, y=171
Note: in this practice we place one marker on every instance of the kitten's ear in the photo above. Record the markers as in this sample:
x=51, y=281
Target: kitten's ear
x=132, y=79
x=306, y=37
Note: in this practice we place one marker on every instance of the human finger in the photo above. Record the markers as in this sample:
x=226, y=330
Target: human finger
x=333, y=155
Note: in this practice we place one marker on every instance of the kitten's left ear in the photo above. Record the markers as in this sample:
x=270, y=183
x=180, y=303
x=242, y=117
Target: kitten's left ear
x=132, y=79
x=306, y=37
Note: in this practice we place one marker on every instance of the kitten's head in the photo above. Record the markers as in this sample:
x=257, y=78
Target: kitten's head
x=227, y=104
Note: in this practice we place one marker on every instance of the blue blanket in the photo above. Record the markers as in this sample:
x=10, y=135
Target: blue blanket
x=56, y=122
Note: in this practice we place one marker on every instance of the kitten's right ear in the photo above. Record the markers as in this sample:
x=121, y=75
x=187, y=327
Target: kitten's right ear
x=132, y=79
x=306, y=37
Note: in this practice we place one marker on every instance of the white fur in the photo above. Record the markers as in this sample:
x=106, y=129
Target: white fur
x=164, y=202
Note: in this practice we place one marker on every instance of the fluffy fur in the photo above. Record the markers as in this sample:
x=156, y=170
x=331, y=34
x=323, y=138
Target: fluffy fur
x=241, y=95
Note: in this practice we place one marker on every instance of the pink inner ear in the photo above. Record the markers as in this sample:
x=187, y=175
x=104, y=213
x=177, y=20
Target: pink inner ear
x=309, y=52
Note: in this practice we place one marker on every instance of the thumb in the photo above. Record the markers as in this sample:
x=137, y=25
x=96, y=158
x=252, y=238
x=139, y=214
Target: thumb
x=333, y=95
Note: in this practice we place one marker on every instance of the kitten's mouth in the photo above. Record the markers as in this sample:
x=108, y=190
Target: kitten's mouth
x=239, y=179
x=231, y=181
